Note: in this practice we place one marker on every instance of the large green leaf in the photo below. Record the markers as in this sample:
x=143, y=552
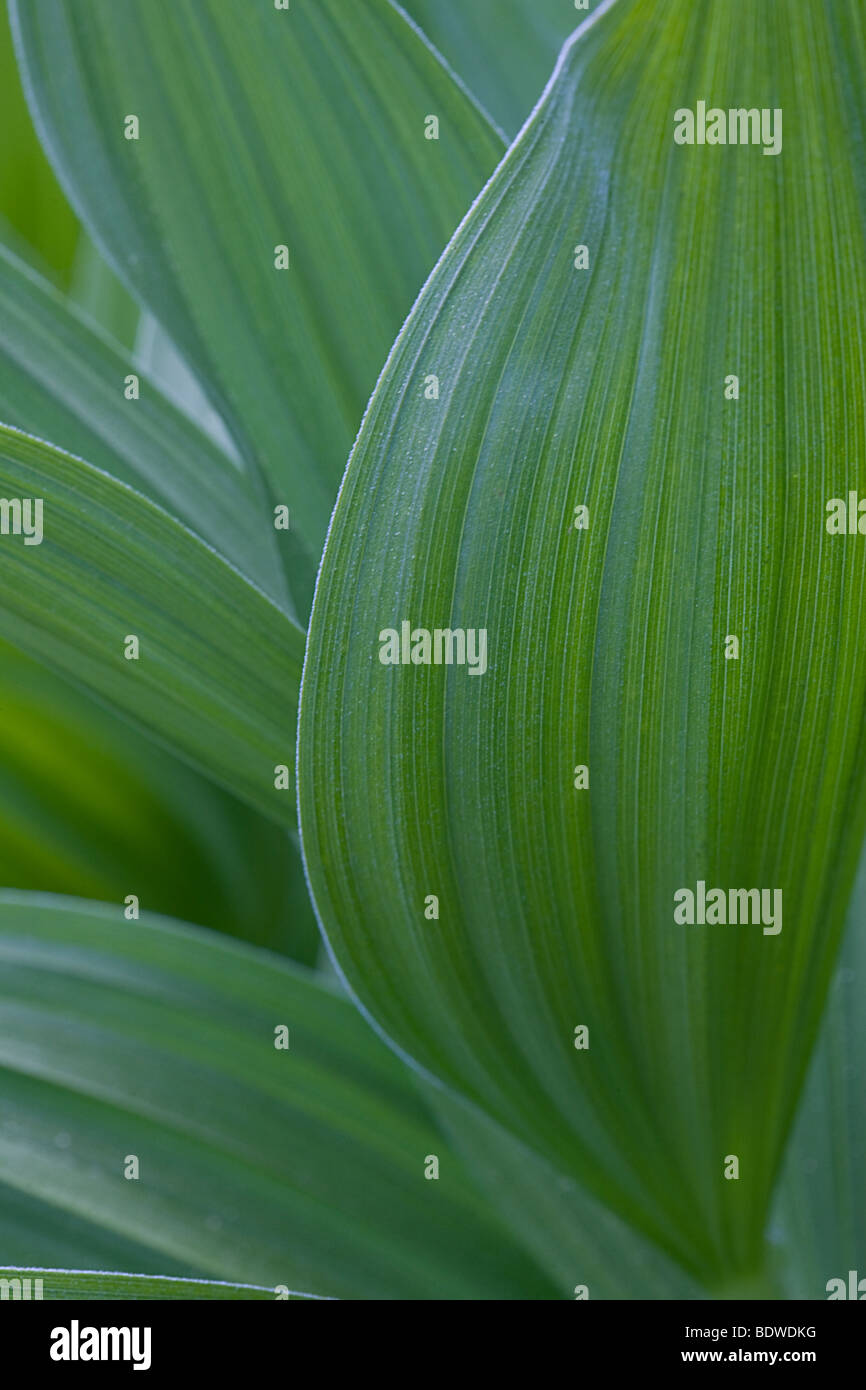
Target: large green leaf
x=302, y=1167
x=63, y=381
x=262, y=128
x=503, y=49
x=219, y=665
x=605, y=387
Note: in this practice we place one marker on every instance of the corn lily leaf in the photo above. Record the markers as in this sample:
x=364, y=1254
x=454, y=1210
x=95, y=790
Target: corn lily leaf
x=503, y=49
x=301, y=1166
x=255, y=132
x=64, y=381
x=671, y=697
x=94, y=565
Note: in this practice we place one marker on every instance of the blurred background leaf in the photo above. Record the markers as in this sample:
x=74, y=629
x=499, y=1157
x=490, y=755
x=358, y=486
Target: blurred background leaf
x=90, y=807
x=303, y=1167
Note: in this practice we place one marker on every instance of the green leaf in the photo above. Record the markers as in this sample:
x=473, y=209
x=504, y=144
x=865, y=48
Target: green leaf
x=301, y=1166
x=503, y=49
x=219, y=665
x=63, y=381
x=819, y=1216
x=261, y=128
x=78, y=1284
x=91, y=808
x=605, y=387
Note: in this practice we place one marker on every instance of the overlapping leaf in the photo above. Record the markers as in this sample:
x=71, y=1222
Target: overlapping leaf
x=301, y=1166
x=260, y=128
x=608, y=387
x=503, y=49
x=218, y=664
x=63, y=381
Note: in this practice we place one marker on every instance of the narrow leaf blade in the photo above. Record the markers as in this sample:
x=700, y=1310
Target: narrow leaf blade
x=63, y=381
x=301, y=1166
x=218, y=668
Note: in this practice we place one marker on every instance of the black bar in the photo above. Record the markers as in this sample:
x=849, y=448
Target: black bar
x=292, y=1338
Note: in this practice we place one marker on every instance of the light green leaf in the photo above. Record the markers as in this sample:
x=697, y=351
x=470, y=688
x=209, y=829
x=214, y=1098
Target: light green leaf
x=605, y=387
x=77, y=1284
x=302, y=1166
x=34, y=215
x=219, y=665
x=96, y=290
x=63, y=381
x=503, y=49
x=261, y=128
